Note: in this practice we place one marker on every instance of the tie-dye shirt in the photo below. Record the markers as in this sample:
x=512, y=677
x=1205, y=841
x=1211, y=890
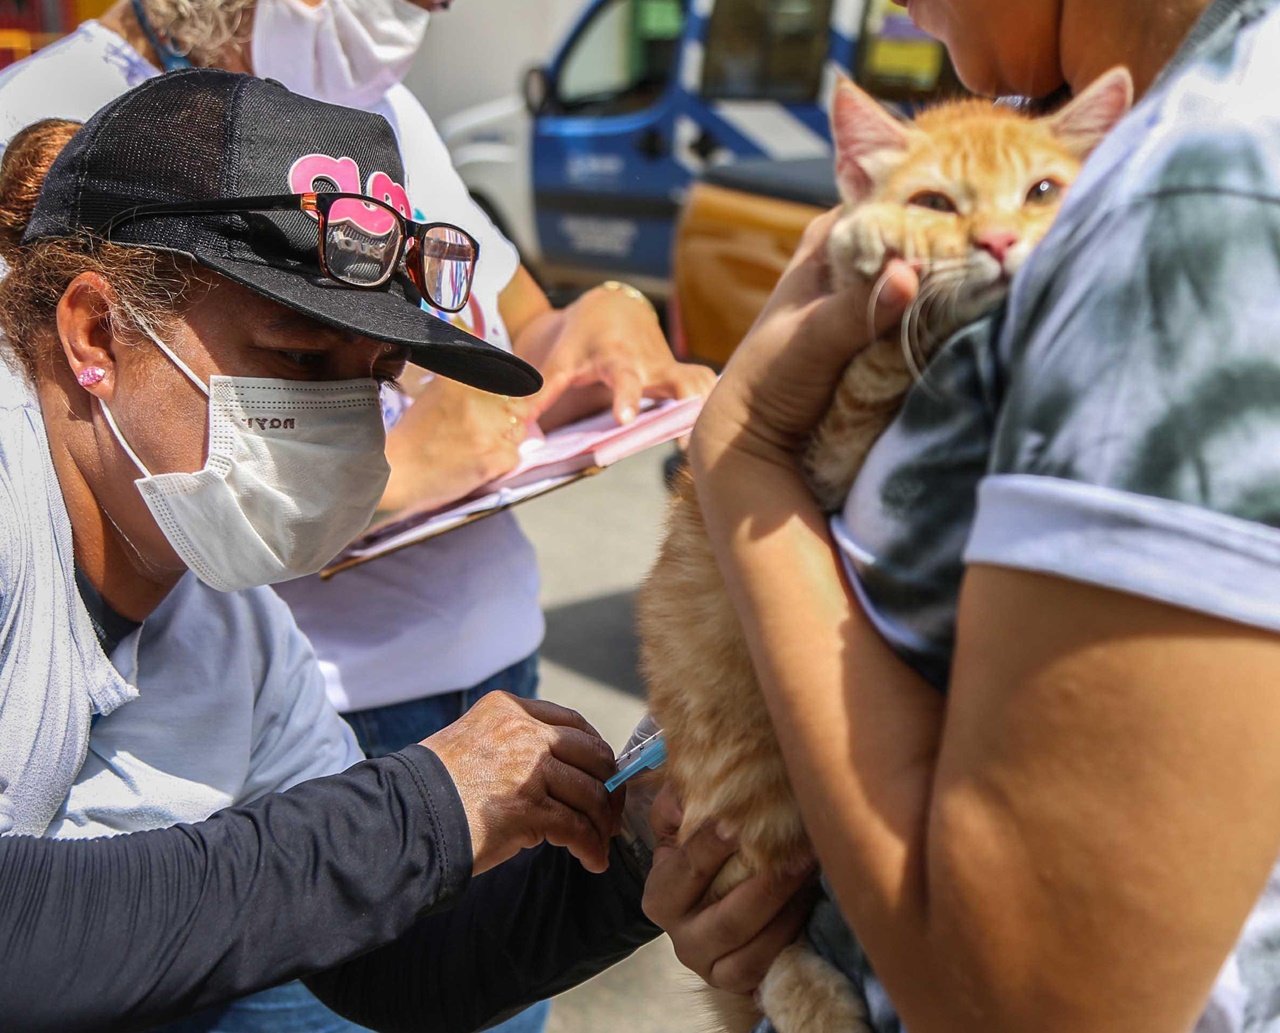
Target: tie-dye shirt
x=1117, y=422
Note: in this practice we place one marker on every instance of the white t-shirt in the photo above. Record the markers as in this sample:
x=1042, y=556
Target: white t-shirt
x=448, y=613
x=71, y=78
x=434, y=618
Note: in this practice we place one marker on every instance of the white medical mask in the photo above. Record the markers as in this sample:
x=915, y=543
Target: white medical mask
x=295, y=472
x=343, y=51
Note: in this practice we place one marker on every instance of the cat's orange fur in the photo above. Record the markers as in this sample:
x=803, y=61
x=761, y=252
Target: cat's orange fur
x=987, y=162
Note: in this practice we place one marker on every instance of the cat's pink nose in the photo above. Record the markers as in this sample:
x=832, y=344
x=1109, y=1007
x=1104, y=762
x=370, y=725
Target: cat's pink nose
x=996, y=242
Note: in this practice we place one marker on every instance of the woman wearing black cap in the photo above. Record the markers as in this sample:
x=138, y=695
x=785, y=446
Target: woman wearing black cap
x=188, y=412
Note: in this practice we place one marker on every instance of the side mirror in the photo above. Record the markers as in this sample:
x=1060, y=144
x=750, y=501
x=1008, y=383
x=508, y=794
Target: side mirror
x=537, y=90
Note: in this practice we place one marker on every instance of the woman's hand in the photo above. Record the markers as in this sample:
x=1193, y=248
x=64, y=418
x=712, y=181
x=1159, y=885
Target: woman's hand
x=730, y=943
x=451, y=440
x=607, y=348
x=528, y=771
x=781, y=377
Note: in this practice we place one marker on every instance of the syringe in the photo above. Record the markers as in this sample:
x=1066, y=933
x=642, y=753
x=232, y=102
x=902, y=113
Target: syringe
x=644, y=756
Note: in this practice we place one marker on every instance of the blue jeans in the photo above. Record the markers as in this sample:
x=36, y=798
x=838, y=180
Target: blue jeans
x=292, y=1008
x=384, y=730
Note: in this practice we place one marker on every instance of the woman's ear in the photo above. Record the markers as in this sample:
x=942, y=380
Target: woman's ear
x=1093, y=113
x=869, y=140
x=86, y=333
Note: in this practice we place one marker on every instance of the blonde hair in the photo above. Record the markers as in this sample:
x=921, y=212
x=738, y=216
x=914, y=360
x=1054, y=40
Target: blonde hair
x=199, y=28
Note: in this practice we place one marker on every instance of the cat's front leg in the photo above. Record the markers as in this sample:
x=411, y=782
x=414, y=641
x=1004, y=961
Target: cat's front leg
x=864, y=240
x=805, y=993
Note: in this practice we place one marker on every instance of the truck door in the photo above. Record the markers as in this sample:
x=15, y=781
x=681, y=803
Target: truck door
x=766, y=70
x=606, y=184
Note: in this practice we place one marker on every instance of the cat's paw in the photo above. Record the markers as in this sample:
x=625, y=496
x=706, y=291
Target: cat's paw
x=736, y=870
x=805, y=993
x=862, y=243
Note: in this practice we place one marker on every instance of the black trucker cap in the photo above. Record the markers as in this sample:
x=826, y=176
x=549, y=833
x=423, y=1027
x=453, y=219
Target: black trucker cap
x=203, y=135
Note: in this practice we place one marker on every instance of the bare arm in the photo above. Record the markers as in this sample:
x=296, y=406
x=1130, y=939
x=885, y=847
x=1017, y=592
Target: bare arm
x=1071, y=840
x=607, y=349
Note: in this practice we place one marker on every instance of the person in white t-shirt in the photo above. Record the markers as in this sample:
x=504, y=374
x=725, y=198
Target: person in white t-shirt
x=440, y=625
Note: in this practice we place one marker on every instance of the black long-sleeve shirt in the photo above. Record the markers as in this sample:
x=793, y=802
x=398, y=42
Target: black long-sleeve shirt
x=359, y=882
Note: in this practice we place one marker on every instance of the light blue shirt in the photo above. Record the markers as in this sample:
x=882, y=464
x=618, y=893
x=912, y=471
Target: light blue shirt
x=53, y=674
x=215, y=700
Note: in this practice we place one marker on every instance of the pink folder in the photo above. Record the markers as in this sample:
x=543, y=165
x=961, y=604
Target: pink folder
x=565, y=455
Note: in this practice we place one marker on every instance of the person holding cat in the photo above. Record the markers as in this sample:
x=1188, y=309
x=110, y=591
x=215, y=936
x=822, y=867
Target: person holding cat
x=1024, y=679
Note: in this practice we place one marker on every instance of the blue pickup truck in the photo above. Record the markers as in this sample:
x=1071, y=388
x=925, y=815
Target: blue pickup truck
x=587, y=171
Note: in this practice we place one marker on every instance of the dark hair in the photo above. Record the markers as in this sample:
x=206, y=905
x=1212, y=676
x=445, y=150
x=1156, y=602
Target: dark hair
x=152, y=286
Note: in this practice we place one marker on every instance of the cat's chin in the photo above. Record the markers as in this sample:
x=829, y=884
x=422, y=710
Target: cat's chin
x=979, y=301
x=991, y=295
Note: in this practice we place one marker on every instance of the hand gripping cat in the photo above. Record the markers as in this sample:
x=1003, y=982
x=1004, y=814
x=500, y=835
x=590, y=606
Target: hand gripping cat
x=964, y=192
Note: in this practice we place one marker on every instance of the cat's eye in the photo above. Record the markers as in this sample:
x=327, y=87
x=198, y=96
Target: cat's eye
x=934, y=200
x=1045, y=192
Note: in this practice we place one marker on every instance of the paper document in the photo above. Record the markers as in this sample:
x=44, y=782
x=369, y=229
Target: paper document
x=546, y=463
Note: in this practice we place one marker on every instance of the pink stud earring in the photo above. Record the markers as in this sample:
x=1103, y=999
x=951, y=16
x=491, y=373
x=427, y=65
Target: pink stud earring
x=91, y=375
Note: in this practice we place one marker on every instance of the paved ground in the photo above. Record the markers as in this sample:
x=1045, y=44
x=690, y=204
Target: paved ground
x=595, y=541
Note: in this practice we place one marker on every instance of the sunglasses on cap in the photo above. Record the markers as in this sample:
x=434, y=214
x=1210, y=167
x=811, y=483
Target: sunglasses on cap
x=361, y=241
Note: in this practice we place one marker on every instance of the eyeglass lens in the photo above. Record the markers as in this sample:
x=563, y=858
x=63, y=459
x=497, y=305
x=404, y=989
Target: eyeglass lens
x=448, y=264
x=362, y=242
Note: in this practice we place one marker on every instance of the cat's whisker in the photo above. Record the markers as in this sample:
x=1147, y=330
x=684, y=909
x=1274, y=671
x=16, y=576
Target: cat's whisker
x=937, y=296
x=943, y=265
x=876, y=290
x=912, y=324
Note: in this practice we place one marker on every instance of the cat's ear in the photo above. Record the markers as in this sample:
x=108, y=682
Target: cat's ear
x=1083, y=123
x=868, y=140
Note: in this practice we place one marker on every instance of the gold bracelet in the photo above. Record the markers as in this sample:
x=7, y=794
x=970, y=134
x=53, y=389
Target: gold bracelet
x=628, y=291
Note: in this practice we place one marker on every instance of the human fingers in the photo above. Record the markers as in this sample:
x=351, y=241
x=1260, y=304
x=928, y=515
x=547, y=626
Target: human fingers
x=627, y=383
x=720, y=929
x=666, y=815
x=742, y=970
x=554, y=714
x=743, y=912
x=585, y=751
x=807, y=280
x=682, y=874
x=693, y=380
x=565, y=366
x=585, y=795
x=883, y=302
x=554, y=385
x=565, y=827
x=779, y=381
x=511, y=420
x=681, y=380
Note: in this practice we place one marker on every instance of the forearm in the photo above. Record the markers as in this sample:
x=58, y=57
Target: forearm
x=526, y=930
x=537, y=335
x=1085, y=820
x=522, y=305
x=858, y=728
x=128, y=932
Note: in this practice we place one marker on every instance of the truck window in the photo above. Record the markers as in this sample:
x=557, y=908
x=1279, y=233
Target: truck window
x=766, y=50
x=896, y=61
x=623, y=59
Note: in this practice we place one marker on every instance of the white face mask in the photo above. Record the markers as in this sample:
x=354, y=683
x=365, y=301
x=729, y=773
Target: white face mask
x=344, y=51
x=295, y=472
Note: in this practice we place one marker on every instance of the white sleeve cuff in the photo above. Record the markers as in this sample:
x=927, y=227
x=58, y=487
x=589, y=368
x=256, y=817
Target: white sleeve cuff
x=1142, y=545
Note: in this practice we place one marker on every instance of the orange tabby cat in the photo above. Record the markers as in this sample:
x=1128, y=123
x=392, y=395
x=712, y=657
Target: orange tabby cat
x=963, y=193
